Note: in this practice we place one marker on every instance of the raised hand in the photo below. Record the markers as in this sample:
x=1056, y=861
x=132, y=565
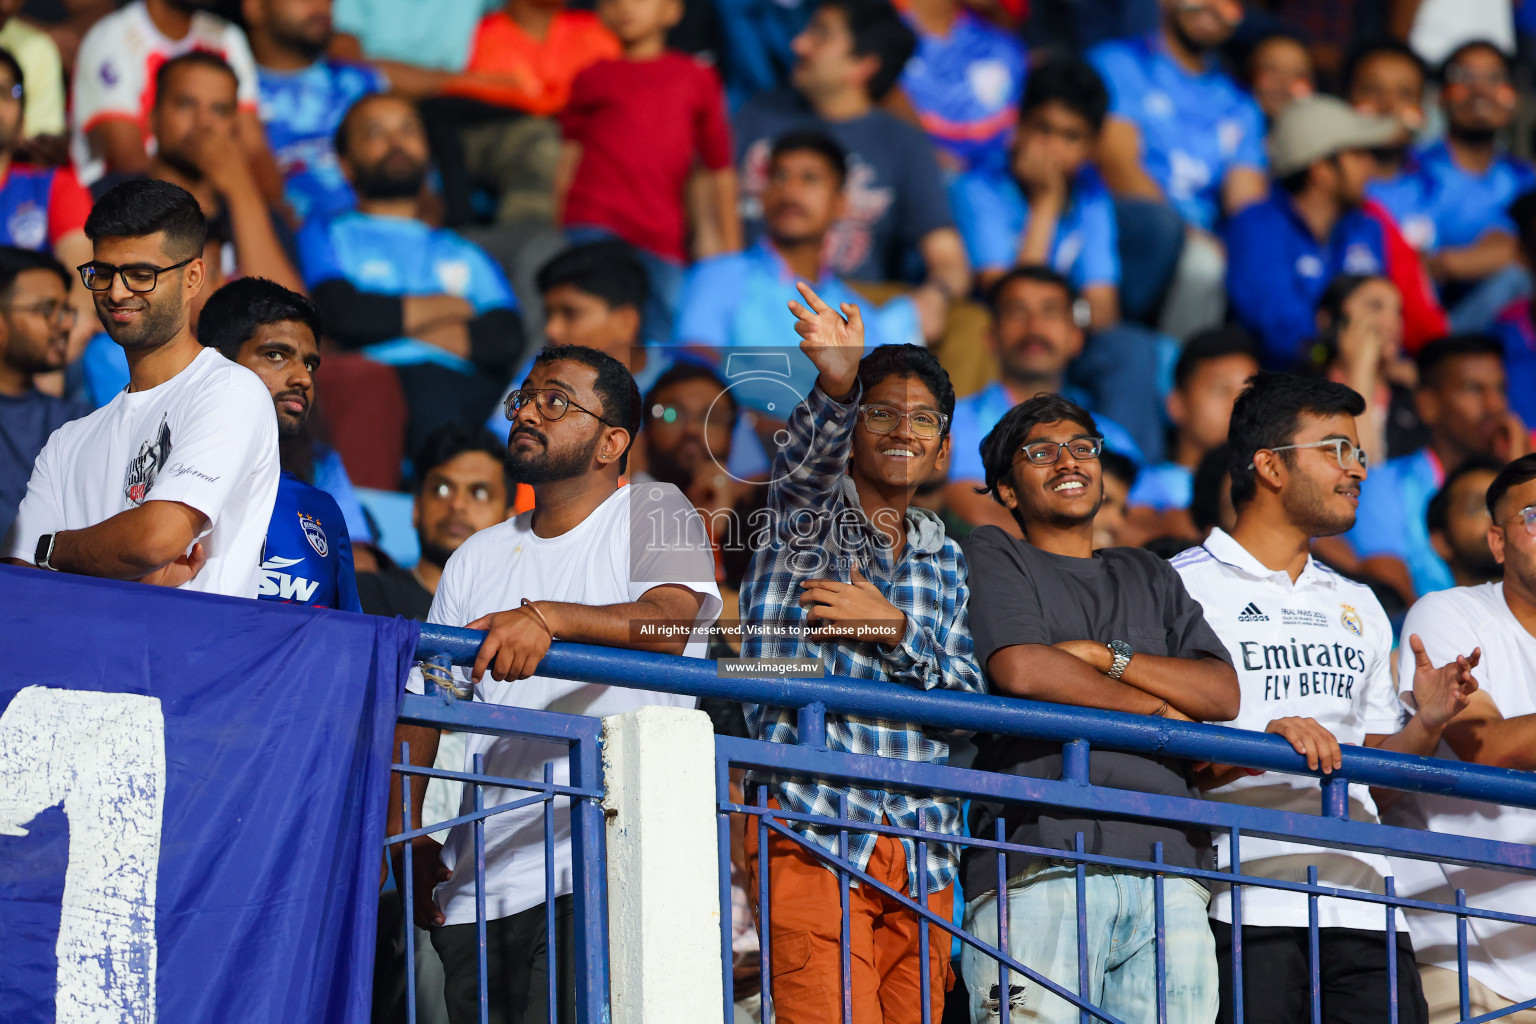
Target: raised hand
x=833, y=341
x=1441, y=693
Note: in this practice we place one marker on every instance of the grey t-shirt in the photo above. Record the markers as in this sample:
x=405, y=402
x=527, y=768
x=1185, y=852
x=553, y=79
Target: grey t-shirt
x=1022, y=595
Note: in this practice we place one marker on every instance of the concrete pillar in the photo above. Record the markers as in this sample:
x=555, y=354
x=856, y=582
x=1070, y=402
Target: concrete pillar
x=663, y=867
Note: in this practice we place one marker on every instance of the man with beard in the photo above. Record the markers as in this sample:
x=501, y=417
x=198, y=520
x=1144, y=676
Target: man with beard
x=582, y=566
x=173, y=481
x=1453, y=203
x=276, y=334
x=1283, y=252
x=1457, y=518
x=35, y=321
x=421, y=298
x=1313, y=652
x=304, y=95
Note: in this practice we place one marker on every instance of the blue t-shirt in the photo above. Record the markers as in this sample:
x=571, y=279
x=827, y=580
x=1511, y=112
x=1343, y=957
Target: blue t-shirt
x=740, y=300
x=965, y=87
x=1194, y=128
x=1164, y=486
x=1439, y=205
x=976, y=415
x=429, y=35
x=1390, y=521
x=993, y=211
x=308, y=557
x=301, y=110
x=1513, y=328
x=401, y=257
x=1277, y=270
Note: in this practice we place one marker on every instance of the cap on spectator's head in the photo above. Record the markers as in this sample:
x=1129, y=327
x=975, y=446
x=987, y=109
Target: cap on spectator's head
x=1317, y=127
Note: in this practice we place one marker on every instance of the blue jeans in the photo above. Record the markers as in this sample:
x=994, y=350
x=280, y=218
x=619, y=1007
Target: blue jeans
x=1119, y=367
x=1121, y=946
x=1151, y=241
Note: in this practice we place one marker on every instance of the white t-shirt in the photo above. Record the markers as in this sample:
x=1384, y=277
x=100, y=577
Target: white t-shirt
x=207, y=438
x=1319, y=648
x=1501, y=956
x=605, y=560
x=115, y=73
x=1440, y=26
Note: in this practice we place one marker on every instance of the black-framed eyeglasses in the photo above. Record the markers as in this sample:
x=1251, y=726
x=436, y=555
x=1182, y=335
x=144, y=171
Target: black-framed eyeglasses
x=137, y=277
x=1048, y=453
x=882, y=419
x=1345, y=450
x=1528, y=515
x=551, y=403
x=61, y=313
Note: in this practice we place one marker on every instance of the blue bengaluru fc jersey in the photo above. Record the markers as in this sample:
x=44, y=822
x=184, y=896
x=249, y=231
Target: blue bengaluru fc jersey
x=301, y=110
x=1438, y=204
x=1194, y=128
x=308, y=558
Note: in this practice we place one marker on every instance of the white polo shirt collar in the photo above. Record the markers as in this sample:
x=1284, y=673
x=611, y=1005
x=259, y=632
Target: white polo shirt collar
x=1230, y=553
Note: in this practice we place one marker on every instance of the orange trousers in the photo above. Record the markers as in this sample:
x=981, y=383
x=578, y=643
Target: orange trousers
x=805, y=925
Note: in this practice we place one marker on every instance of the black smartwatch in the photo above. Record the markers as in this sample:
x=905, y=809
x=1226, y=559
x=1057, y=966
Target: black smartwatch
x=45, y=551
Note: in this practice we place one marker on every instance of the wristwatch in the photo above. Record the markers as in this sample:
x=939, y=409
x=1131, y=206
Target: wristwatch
x=1123, y=653
x=45, y=551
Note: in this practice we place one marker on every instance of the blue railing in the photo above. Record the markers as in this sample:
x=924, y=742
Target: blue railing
x=1081, y=730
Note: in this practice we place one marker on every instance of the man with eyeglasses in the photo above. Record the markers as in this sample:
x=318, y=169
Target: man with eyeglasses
x=1457, y=518
x=35, y=321
x=1498, y=728
x=1313, y=654
x=1057, y=621
x=588, y=564
x=173, y=481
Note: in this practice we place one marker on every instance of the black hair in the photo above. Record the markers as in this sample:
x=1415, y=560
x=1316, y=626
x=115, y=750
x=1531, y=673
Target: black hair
x=615, y=387
x=14, y=262
x=1073, y=83
x=878, y=31
x=1244, y=52
x=1437, y=516
x=1001, y=445
x=1119, y=466
x=1466, y=48
x=147, y=206
x=344, y=126
x=910, y=361
x=191, y=59
x=1031, y=272
x=1205, y=493
x=1516, y=473
x=451, y=440
x=1371, y=48
x=608, y=269
x=1331, y=303
x=1213, y=343
x=682, y=372
x=1267, y=415
x=1522, y=210
x=234, y=312
x=1433, y=357
x=8, y=60
x=812, y=142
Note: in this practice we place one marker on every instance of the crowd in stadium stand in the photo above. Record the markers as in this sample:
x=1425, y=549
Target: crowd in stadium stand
x=1173, y=357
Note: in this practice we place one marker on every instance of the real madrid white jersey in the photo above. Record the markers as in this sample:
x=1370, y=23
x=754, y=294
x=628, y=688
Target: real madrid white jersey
x=1318, y=648
x=206, y=438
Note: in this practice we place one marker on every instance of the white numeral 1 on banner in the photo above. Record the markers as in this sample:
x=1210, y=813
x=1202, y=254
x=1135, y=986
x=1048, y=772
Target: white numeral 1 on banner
x=102, y=756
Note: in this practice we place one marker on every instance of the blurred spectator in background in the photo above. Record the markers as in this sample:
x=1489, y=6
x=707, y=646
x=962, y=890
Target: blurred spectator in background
x=964, y=81
x=1452, y=202
x=461, y=488
x=1315, y=225
x=1119, y=474
x=635, y=129
x=1458, y=523
x=1437, y=28
x=897, y=216
x=1279, y=72
x=304, y=96
x=1035, y=337
x=35, y=320
x=1463, y=401
x=594, y=294
x=1386, y=79
x=275, y=333
x=37, y=56
x=116, y=78
x=1182, y=134
x=421, y=298
x=420, y=47
x=1514, y=326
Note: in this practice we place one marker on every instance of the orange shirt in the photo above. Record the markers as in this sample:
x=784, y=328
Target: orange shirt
x=510, y=68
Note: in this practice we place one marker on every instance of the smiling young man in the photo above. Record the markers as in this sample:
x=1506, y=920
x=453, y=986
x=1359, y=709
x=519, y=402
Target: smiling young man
x=1057, y=621
x=848, y=552
x=173, y=481
x=1313, y=654
x=275, y=333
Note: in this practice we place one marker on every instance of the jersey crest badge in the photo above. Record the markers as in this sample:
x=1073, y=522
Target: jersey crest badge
x=1351, y=620
x=314, y=534
x=146, y=466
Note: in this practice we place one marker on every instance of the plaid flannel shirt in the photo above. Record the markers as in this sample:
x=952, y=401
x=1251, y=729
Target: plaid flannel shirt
x=818, y=531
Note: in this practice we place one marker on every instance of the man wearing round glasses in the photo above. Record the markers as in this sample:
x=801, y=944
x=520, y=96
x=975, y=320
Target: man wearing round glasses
x=1313, y=653
x=173, y=481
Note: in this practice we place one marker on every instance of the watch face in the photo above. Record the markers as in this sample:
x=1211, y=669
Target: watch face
x=1121, y=648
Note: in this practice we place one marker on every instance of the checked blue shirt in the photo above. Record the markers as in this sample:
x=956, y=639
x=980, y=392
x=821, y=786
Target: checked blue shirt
x=818, y=531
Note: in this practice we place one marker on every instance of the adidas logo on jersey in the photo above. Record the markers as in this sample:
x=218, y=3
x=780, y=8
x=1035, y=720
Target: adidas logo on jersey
x=1252, y=614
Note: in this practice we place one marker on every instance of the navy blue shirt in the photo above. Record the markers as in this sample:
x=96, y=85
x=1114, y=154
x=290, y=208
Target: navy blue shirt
x=308, y=557
x=25, y=425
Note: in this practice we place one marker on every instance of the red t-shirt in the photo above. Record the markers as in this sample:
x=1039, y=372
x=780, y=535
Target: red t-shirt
x=510, y=68
x=641, y=126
